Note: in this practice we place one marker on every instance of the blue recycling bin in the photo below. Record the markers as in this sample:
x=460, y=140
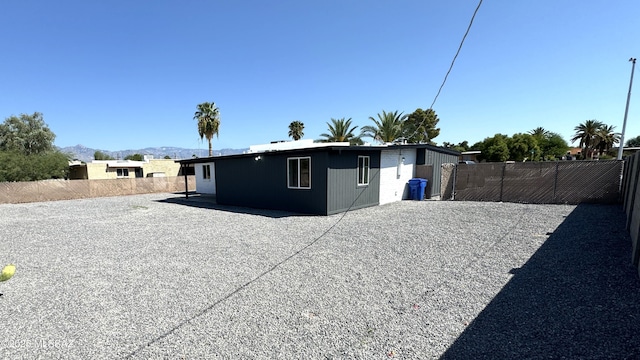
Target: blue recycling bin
x=417, y=187
x=422, y=189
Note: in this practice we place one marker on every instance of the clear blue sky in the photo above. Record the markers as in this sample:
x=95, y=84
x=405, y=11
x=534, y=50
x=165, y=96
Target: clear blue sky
x=121, y=74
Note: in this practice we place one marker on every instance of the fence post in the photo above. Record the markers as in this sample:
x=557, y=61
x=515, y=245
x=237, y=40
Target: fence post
x=455, y=178
x=555, y=183
x=504, y=167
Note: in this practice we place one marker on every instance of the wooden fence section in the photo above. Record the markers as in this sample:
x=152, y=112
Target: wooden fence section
x=51, y=190
x=560, y=182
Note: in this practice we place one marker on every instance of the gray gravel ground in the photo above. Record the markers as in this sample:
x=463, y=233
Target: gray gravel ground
x=155, y=276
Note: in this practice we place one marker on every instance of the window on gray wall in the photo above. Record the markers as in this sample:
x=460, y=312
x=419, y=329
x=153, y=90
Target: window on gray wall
x=363, y=170
x=206, y=171
x=299, y=173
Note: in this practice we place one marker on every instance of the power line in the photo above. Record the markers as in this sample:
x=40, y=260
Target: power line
x=456, y=55
x=450, y=67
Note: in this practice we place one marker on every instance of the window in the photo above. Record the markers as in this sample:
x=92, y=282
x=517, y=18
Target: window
x=206, y=171
x=363, y=170
x=122, y=172
x=299, y=173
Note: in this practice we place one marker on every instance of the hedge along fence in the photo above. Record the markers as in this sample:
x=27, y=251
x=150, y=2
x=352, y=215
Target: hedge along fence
x=51, y=190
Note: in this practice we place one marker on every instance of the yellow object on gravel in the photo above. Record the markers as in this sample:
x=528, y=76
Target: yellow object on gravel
x=7, y=272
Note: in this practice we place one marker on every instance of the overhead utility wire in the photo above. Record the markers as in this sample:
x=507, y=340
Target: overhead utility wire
x=457, y=52
x=451, y=66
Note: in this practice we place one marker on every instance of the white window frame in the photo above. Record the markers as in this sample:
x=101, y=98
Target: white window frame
x=122, y=172
x=364, y=171
x=206, y=172
x=298, y=184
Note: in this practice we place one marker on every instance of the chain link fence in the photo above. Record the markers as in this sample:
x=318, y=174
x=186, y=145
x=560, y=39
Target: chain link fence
x=560, y=182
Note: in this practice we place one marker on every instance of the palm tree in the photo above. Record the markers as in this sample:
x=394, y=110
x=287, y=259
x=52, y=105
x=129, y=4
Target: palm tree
x=208, y=116
x=539, y=133
x=295, y=130
x=606, y=138
x=388, y=127
x=586, y=133
x=340, y=130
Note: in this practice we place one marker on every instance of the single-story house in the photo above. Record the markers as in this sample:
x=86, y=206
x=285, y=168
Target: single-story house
x=471, y=155
x=119, y=169
x=318, y=178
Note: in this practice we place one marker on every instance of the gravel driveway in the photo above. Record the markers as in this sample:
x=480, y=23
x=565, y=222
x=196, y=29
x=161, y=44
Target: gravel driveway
x=156, y=276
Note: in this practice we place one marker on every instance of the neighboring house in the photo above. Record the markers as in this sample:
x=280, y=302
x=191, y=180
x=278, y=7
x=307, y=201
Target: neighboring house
x=471, y=155
x=316, y=178
x=574, y=153
x=118, y=169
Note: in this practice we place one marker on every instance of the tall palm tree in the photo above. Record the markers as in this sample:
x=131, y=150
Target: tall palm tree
x=586, y=133
x=540, y=133
x=340, y=130
x=208, y=116
x=388, y=127
x=295, y=130
x=606, y=138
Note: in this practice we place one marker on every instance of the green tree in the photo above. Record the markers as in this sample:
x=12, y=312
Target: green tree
x=167, y=157
x=522, y=147
x=340, y=130
x=27, y=152
x=135, y=157
x=553, y=146
x=388, y=127
x=15, y=166
x=420, y=126
x=99, y=155
x=633, y=142
x=539, y=133
x=587, y=134
x=26, y=134
x=460, y=147
x=208, y=117
x=296, y=130
x=493, y=148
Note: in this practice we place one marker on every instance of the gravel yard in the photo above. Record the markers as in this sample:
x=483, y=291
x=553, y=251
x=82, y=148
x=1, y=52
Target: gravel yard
x=158, y=276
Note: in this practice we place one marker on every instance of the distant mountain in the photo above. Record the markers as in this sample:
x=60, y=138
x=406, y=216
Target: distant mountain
x=84, y=153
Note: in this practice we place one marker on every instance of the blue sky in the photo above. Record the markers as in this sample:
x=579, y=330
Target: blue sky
x=121, y=74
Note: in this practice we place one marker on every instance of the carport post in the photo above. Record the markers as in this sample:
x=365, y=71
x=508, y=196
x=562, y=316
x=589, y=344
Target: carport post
x=186, y=181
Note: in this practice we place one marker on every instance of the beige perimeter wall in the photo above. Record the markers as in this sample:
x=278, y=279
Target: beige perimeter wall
x=50, y=190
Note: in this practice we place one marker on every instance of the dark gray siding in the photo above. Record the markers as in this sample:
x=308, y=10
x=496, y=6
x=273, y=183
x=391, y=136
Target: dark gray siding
x=244, y=181
x=435, y=158
x=343, y=191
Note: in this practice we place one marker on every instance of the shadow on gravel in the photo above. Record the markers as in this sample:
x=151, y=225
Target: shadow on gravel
x=209, y=202
x=577, y=297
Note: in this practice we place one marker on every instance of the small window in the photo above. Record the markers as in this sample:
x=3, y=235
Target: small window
x=363, y=170
x=206, y=172
x=299, y=173
x=121, y=173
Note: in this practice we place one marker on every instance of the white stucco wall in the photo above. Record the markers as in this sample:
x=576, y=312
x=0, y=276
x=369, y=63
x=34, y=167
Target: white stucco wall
x=205, y=186
x=393, y=186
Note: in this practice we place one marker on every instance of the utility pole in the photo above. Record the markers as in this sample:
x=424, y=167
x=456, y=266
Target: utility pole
x=626, y=110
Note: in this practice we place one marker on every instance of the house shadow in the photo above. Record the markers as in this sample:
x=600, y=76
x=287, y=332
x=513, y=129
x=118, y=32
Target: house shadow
x=577, y=297
x=209, y=202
